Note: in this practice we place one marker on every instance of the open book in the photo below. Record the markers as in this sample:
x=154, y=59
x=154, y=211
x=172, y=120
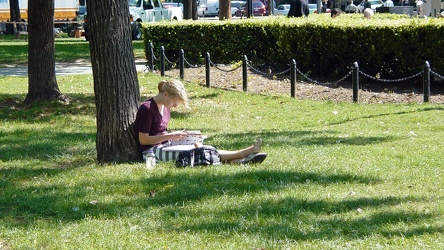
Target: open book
x=193, y=137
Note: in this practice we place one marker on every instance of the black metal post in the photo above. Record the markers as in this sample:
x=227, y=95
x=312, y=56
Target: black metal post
x=293, y=78
x=207, y=69
x=162, y=61
x=151, y=57
x=244, y=73
x=426, y=81
x=181, y=64
x=355, y=81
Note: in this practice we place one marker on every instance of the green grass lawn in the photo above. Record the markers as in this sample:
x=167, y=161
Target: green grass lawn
x=66, y=49
x=338, y=176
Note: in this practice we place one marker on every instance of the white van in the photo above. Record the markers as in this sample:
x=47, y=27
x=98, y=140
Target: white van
x=208, y=8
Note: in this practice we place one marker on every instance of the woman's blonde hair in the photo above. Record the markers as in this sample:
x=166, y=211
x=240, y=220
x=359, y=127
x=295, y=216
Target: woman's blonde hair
x=175, y=89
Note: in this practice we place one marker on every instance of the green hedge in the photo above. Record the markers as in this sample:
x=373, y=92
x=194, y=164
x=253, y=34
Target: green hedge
x=389, y=45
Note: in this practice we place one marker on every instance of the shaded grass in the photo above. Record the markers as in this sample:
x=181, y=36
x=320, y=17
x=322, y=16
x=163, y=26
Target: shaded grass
x=338, y=175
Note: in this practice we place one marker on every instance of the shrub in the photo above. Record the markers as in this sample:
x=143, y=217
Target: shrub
x=389, y=44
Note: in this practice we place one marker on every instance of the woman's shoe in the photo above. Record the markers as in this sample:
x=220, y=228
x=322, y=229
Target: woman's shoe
x=254, y=158
x=257, y=146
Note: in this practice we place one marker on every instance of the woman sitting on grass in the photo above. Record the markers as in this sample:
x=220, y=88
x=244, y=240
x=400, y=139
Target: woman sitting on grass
x=152, y=123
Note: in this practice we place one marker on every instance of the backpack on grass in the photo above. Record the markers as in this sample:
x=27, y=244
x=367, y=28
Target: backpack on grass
x=201, y=156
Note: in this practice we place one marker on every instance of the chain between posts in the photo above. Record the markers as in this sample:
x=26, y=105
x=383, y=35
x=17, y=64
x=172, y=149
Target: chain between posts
x=269, y=74
x=390, y=80
x=224, y=70
x=437, y=75
x=327, y=83
x=246, y=64
x=191, y=65
x=168, y=61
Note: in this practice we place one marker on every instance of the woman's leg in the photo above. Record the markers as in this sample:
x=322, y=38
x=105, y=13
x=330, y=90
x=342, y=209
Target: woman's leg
x=238, y=155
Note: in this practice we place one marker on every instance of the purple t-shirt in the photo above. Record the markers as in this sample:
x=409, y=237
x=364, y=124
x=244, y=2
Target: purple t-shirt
x=150, y=121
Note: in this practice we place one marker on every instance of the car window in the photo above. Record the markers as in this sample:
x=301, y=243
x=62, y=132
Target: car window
x=237, y=5
x=375, y=2
x=133, y=2
x=257, y=4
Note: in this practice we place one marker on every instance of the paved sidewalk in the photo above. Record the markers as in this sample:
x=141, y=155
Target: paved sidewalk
x=60, y=68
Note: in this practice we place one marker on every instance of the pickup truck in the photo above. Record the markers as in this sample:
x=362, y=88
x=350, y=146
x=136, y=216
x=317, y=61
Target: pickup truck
x=145, y=11
x=150, y=11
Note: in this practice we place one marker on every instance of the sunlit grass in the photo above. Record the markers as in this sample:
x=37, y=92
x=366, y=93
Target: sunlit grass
x=66, y=50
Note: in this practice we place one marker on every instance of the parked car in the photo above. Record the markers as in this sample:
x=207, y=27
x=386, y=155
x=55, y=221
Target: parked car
x=374, y=4
x=208, y=8
x=201, y=10
x=313, y=8
x=170, y=5
x=282, y=10
x=259, y=9
x=235, y=5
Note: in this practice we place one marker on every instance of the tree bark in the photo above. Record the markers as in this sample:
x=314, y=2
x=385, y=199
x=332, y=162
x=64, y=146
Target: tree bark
x=42, y=83
x=190, y=9
x=224, y=9
x=116, y=86
x=187, y=9
x=194, y=9
x=14, y=13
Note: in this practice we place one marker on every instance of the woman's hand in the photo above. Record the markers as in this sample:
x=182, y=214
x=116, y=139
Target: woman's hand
x=177, y=135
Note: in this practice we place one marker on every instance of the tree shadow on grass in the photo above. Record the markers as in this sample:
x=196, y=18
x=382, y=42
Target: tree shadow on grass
x=56, y=200
x=294, y=138
x=278, y=217
x=298, y=228
x=273, y=217
x=43, y=145
x=12, y=108
x=426, y=109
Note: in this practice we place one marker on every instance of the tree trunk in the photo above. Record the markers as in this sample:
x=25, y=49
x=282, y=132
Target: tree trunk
x=190, y=9
x=14, y=13
x=187, y=9
x=116, y=85
x=224, y=9
x=194, y=9
x=42, y=83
